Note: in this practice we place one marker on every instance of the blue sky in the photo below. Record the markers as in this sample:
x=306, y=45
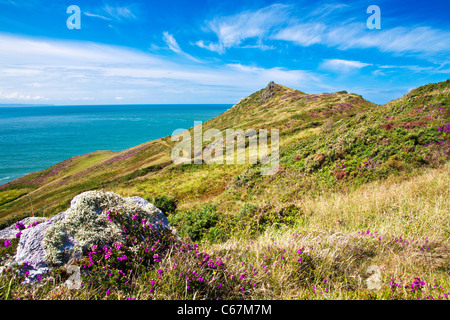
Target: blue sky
x=139, y=52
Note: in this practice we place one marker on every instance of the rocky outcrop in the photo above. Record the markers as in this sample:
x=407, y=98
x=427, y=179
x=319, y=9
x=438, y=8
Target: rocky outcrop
x=61, y=239
x=12, y=231
x=269, y=92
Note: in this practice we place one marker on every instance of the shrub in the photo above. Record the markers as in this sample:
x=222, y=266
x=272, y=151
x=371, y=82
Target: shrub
x=115, y=266
x=256, y=219
x=198, y=224
x=246, y=179
x=166, y=204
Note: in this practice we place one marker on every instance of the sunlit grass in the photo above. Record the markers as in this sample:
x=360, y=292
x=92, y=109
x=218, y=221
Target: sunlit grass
x=394, y=216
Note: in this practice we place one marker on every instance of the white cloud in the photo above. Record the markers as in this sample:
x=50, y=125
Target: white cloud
x=231, y=31
x=240, y=67
x=34, y=85
x=355, y=35
x=20, y=97
x=303, y=34
x=416, y=69
x=338, y=65
x=8, y=2
x=74, y=71
x=275, y=22
x=82, y=99
x=173, y=45
x=398, y=40
x=119, y=13
x=93, y=15
x=26, y=50
x=171, y=42
x=110, y=13
x=280, y=75
x=216, y=47
x=327, y=9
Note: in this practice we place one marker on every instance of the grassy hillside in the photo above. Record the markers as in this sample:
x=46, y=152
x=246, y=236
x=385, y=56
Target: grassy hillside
x=359, y=184
x=138, y=169
x=328, y=141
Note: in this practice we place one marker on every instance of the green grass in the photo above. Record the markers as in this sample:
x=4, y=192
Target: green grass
x=362, y=184
x=11, y=195
x=399, y=225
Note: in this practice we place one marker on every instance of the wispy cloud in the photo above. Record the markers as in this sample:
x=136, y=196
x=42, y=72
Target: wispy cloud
x=119, y=13
x=216, y=47
x=326, y=9
x=174, y=46
x=8, y=2
x=232, y=31
x=398, y=40
x=109, y=13
x=277, y=74
x=305, y=34
x=73, y=71
x=93, y=15
x=276, y=23
x=425, y=40
x=415, y=69
x=171, y=42
x=343, y=66
x=22, y=97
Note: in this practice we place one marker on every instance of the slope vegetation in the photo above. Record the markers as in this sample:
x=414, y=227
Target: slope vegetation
x=361, y=188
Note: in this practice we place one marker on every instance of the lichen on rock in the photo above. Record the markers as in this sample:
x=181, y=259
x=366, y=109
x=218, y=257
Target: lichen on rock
x=86, y=224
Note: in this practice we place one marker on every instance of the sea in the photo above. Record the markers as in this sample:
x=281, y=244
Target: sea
x=33, y=138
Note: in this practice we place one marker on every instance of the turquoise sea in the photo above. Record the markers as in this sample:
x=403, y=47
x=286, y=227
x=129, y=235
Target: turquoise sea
x=35, y=138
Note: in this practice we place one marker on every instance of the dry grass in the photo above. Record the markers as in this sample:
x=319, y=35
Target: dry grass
x=414, y=207
x=407, y=238
x=409, y=222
